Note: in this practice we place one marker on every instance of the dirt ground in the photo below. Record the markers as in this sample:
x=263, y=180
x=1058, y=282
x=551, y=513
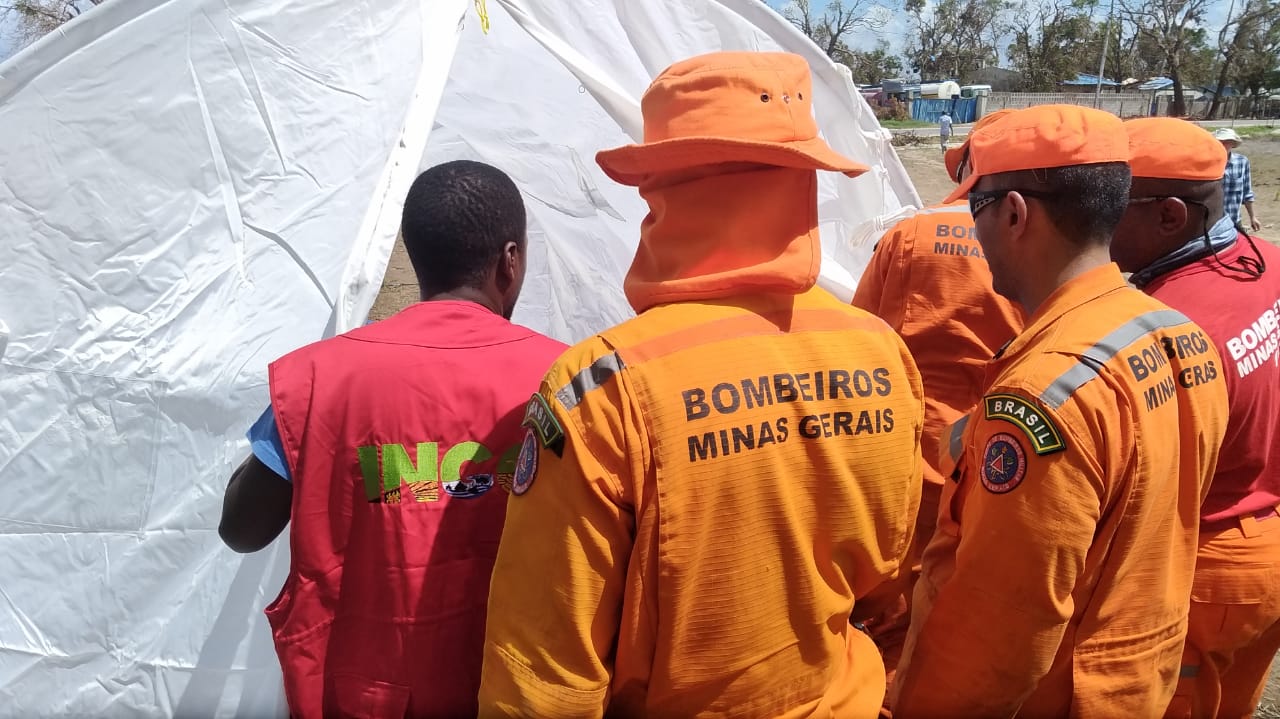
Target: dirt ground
x=924, y=164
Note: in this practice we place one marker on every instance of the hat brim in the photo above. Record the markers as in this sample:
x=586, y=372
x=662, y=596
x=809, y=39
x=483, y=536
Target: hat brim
x=962, y=191
x=631, y=164
x=953, y=158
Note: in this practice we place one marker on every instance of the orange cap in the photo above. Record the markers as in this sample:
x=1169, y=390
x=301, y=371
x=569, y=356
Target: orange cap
x=1042, y=137
x=955, y=156
x=727, y=107
x=1168, y=148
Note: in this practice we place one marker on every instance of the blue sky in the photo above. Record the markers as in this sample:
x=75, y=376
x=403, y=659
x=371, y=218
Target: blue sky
x=6, y=37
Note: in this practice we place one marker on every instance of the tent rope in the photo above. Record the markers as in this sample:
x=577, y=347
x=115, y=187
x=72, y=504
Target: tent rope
x=483, y=12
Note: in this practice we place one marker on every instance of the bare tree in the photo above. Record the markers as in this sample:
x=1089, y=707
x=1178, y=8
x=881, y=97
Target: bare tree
x=837, y=21
x=35, y=18
x=953, y=38
x=1051, y=41
x=1241, y=24
x=1171, y=26
x=1257, y=63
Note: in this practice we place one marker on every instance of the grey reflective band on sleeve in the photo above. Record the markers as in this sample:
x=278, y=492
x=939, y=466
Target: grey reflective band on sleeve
x=958, y=209
x=955, y=442
x=588, y=379
x=1107, y=348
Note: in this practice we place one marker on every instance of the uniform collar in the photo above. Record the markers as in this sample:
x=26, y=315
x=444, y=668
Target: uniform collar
x=443, y=324
x=1076, y=292
x=1221, y=237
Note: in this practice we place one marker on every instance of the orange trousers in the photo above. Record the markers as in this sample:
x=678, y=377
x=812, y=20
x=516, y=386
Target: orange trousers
x=1234, y=627
x=889, y=628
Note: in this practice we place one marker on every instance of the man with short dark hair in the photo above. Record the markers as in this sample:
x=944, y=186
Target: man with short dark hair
x=1183, y=249
x=1076, y=476
x=384, y=445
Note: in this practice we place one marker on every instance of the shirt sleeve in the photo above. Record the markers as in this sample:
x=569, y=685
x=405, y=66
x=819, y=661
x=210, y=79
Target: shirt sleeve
x=264, y=442
x=1022, y=524
x=879, y=289
x=555, y=601
x=1248, y=182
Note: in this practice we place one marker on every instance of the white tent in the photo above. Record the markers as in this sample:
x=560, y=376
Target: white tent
x=190, y=188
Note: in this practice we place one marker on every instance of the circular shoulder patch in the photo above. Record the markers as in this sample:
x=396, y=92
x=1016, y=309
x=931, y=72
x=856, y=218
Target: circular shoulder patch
x=526, y=464
x=1004, y=463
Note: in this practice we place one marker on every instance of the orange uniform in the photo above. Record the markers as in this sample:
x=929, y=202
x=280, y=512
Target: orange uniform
x=726, y=491
x=709, y=489
x=930, y=282
x=1058, y=579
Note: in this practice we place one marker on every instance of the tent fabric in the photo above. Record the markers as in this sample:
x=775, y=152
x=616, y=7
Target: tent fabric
x=192, y=188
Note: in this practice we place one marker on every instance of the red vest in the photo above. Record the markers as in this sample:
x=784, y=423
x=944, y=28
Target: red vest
x=1242, y=317
x=401, y=438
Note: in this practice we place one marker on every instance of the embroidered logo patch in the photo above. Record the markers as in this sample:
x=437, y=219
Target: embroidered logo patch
x=539, y=418
x=526, y=465
x=469, y=487
x=1033, y=421
x=1004, y=464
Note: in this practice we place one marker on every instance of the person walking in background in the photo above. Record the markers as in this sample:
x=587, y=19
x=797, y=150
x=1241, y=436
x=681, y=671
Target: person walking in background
x=1184, y=251
x=944, y=130
x=708, y=491
x=385, y=447
x=1237, y=181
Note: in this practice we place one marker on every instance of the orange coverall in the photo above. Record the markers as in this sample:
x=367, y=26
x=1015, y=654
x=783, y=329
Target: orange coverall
x=733, y=476
x=929, y=281
x=1058, y=579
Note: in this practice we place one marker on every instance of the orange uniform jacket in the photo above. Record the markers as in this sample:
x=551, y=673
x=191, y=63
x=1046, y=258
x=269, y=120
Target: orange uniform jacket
x=730, y=476
x=1058, y=578
x=929, y=280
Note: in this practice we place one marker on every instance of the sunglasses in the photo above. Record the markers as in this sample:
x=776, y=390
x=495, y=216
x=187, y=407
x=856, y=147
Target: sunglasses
x=979, y=200
x=1161, y=198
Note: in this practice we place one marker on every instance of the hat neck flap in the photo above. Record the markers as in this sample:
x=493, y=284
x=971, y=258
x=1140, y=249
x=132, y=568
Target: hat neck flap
x=721, y=231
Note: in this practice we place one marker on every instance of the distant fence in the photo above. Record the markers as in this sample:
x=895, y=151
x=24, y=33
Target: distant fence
x=1136, y=104
x=962, y=109
x=1126, y=104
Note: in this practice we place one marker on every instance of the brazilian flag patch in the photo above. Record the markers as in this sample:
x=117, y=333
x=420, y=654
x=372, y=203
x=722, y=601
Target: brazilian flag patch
x=1033, y=421
x=539, y=418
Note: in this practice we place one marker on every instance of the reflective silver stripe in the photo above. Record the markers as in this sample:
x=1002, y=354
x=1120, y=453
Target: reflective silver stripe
x=1189, y=671
x=588, y=379
x=1107, y=348
x=955, y=443
x=1070, y=381
x=957, y=209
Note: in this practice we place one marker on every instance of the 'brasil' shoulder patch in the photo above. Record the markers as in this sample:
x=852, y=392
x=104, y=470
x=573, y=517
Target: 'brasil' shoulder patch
x=1033, y=421
x=539, y=418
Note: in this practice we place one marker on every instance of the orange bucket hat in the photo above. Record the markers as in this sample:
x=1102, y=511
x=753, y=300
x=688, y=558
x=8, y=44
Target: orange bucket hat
x=955, y=156
x=727, y=107
x=1042, y=137
x=1168, y=148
